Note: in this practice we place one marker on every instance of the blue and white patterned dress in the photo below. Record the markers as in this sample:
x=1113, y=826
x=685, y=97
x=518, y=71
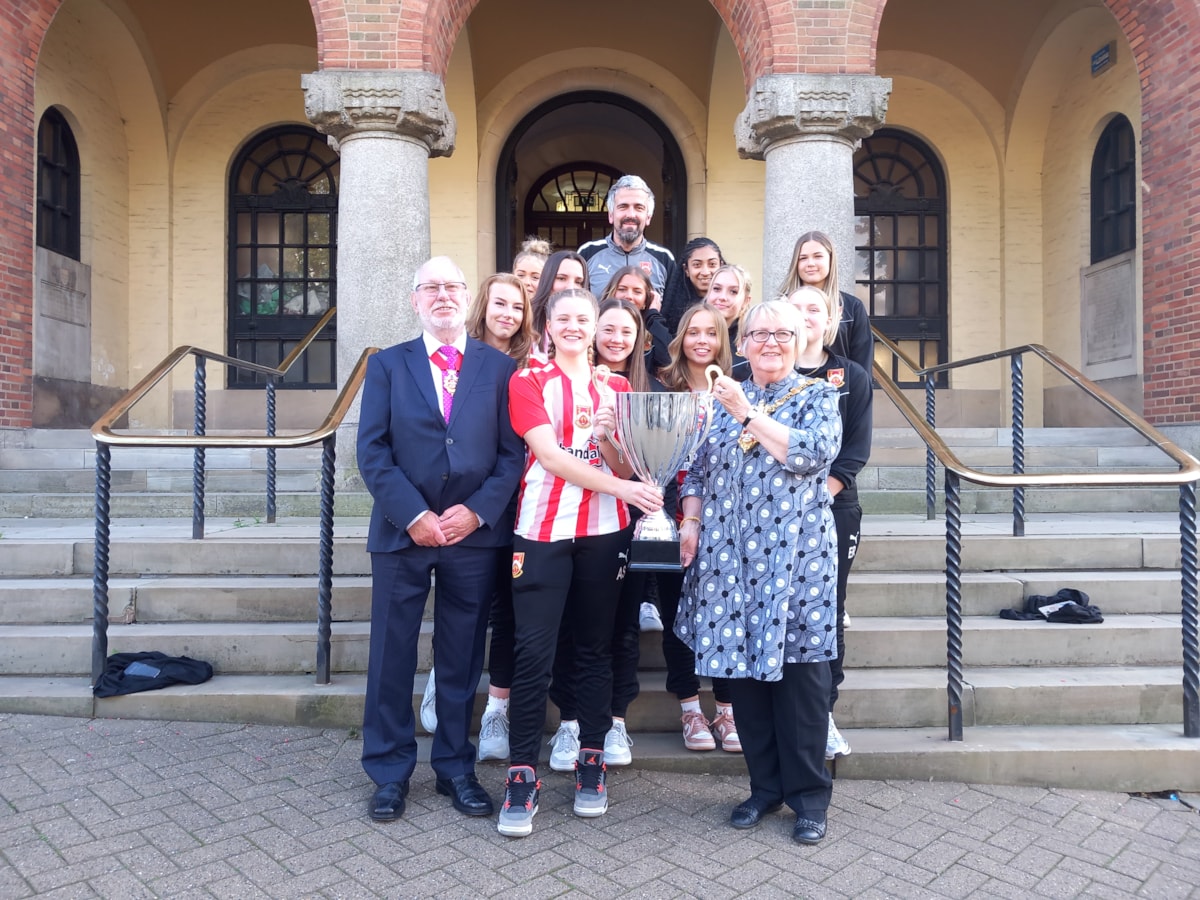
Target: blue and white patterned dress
x=761, y=591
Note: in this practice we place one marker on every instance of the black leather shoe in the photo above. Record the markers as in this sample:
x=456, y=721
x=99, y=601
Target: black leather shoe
x=388, y=803
x=750, y=812
x=808, y=831
x=467, y=795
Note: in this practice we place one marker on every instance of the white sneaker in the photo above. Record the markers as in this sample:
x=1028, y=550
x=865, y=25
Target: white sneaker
x=616, y=745
x=835, y=744
x=564, y=747
x=649, y=620
x=429, y=705
x=493, y=735
x=845, y=619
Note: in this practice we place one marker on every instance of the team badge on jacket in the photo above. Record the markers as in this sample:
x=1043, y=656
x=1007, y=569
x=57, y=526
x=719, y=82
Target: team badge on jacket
x=836, y=377
x=518, y=565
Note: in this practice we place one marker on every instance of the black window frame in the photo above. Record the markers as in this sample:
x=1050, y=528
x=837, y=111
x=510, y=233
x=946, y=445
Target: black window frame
x=901, y=228
x=273, y=215
x=1114, y=191
x=58, y=186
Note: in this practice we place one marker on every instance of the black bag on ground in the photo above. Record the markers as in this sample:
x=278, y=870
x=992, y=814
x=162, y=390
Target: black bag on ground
x=129, y=673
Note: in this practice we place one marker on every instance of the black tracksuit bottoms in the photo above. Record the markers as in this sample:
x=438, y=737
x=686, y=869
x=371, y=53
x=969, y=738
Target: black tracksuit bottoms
x=847, y=520
x=582, y=579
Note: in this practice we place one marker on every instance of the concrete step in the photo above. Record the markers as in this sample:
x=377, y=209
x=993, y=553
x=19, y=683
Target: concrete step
x=234, y=598
x=258, y=548
x=266, y=598
x=913, y=642
x=153, y=505
x=869, y=698
x=879, y=642
x=1130, y=757
x=251, y=503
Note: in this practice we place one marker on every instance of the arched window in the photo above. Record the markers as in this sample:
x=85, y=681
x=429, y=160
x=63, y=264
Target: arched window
x=1114, y=203
x=58, y=186
x=566, y=205
x=283, y=254
x=900, y=239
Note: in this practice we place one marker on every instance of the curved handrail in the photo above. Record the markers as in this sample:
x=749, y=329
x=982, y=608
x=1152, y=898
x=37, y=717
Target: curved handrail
x=1186, y=475
x=325, y=434
x=1189, y=466
x=102, y=430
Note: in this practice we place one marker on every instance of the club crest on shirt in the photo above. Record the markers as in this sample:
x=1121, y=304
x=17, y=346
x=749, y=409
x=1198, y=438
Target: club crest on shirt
x=647, y=266
x=583, y=417
x=836, y=377
x=518, y=565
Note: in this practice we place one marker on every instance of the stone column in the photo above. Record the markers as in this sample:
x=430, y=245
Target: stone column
x=385, y=125
x=806, y=128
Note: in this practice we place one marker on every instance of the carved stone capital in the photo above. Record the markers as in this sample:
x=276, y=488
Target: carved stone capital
x=785, y=107
x=412, y=104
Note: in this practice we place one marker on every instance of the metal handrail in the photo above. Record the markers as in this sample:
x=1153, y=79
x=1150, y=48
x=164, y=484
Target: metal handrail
x=324, y=434
x=1185, y=476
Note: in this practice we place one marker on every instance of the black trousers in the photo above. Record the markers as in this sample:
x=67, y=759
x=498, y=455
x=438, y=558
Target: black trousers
x=626, y=653
x=502, y=646
x=783, y=726
x=682, y=680
x=583, y=576
x=848, y=522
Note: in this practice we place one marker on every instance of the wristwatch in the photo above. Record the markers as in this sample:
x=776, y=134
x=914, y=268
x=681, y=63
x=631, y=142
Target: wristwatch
x=749, y=416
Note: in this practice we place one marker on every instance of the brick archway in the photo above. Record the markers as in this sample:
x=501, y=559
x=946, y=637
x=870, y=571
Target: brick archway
x=26, y=22
x=748, y=23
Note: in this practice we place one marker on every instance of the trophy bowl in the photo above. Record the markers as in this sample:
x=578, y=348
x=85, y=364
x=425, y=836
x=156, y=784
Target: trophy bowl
x=659, y=432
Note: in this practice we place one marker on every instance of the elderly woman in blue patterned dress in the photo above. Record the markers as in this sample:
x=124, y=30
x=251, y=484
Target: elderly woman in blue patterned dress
x=759, y=595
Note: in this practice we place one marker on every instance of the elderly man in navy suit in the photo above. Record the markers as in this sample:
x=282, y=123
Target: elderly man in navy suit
x=439, y=456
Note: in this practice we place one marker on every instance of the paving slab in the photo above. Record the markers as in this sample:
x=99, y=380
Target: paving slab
x=118, y=808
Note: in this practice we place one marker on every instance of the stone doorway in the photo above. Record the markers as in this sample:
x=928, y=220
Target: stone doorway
x=597, y=130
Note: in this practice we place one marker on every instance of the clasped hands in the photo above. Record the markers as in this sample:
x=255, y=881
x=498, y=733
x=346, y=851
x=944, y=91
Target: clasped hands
x=432, y=530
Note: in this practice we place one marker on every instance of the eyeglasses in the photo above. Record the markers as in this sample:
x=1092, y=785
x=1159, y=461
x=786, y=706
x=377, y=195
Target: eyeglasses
x=431, y=289
x=781, y=337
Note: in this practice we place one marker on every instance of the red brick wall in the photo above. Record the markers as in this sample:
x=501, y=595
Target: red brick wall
x=23, y=24
x=1162, y=36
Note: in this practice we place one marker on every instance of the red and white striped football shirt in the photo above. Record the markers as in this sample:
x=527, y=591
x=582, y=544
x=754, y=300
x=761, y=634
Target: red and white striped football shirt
x=550, y=508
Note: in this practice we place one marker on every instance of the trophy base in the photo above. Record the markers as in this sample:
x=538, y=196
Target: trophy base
x=654, y=556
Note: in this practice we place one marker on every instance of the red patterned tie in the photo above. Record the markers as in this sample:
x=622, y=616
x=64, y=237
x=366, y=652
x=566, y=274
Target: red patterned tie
x=448, y=363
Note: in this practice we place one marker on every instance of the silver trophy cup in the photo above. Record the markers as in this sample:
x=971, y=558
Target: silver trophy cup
x=659, y=432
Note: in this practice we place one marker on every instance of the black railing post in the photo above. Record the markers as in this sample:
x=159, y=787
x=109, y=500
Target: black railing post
x=200, y=409
x=954, y=643
x=930, y=458
x=271, y=450
x=100, y=561
x=1018, y=441
x=325, y=568
x=1191, y=643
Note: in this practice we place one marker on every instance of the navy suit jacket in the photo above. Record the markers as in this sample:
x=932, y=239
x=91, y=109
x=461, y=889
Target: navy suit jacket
x=411, y=459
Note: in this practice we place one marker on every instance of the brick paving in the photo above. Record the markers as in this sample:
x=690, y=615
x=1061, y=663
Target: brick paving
x=130, y=809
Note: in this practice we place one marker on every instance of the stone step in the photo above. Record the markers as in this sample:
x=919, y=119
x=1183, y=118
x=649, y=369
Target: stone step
x=888, y=546
x=877, y=642
x=266, y=598
x=251, y=504
x=869, y=698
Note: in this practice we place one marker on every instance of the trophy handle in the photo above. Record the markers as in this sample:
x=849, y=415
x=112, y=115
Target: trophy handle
x=711, y=374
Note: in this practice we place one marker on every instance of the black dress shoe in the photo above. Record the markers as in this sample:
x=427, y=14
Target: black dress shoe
x=808, y=831
x=388, y=803
x=749, y=813
x=467, y=795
